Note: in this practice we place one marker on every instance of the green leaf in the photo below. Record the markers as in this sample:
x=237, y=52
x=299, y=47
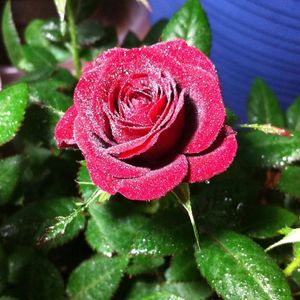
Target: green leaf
x=89, y=32
x=292, y=237
x=231, y=118
x=18, y=261
x=182, y=268
x=141, y=289
x=222, y=202
x=29, y=224
x=96, y=278
x=293, y=115
x=86, y=187
x=61, y=8
x=166, y=233
x=190, y=23
x=154, y=35
x=144, y=264
x=62, y=222
x=41, y=33
x=264, y=221
x=11, y=169
x=262, y=150
x=54, y=91
x=41, y=280
x=10, y=37
x=35, y=276
x=112, y=227
x=263, y=107
x=43, y=118
x=237, y=268
x=195, y=290
x=131, y=41
x=38, y=58
x=289, y=176
x=164, y=295
x=52, y=31
x=13, y=102
x=3, y=269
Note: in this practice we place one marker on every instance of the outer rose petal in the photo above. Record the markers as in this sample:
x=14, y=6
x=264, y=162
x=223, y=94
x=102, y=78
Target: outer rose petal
x=64, y=130
x=156, y=183
x=101, y=164
x=205, y=166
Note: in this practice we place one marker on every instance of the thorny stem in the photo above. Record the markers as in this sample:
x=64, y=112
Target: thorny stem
x=185, y=200
x=59, y=228
x=291, y=267
x=74, y=40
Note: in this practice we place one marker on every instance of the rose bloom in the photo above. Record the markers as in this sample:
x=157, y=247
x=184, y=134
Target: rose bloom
x=147, y=119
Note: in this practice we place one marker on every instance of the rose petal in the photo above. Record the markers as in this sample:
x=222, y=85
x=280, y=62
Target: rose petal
x=64, y=129
x=83, y=99
x=156, y=183
x=216, y=161
x=172, y=130
x=177, y=49
x=100, y=164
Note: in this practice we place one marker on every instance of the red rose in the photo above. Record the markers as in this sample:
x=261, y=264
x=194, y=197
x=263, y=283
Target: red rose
x=147, y=119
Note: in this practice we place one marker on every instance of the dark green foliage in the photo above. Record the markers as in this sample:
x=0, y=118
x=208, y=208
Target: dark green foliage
x=239, y=269
x=263, y=107
x=190, y=23
x=13, y=101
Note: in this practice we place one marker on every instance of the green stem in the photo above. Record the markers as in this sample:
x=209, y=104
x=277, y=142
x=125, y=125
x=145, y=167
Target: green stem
x=183, y=197
x=74, y=40
x=189, y=210
x=291, y=267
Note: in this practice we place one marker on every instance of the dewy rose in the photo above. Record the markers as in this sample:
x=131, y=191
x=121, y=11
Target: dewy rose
x=147, y=119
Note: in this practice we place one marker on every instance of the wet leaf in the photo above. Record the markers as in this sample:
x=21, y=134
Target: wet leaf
x=41, y=280
x=237, y=268
x=38, y=58
x=40, y=33
x=289, y=176
x=190, y=23
x=29, y=224
x=11, y=169
x=144, y=264
x=168, y=232
x=11, y=38
x=89, y=32
x=263, y=107
x=112, y=227
x=264, y=221
x=96, y=278
x=261, y=150
x=195, y=290
x=13, y=102
x=182, y=268
x=164, y=295
x=293, y=115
